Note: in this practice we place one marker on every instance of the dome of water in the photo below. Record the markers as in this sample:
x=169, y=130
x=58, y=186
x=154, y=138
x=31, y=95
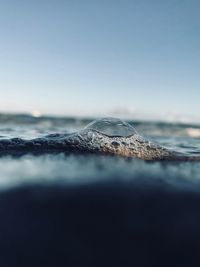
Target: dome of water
x=112, y=127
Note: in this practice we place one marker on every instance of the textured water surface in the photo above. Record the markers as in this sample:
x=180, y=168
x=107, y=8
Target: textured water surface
x=58, y=139
x=71, y=208
x=103, y=136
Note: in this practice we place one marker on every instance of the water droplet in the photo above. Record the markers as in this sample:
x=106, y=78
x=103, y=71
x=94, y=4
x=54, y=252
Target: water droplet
x=112, y=127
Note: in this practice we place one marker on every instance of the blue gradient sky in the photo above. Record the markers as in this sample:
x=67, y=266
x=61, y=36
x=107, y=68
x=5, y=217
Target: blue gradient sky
x=95, y=57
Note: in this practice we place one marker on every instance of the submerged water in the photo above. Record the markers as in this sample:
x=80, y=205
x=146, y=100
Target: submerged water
x=94, y=209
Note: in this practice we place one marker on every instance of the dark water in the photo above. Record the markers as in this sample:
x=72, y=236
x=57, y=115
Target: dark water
x=73, y=209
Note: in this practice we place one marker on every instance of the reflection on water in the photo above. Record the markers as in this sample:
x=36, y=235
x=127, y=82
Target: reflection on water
x=85, y=169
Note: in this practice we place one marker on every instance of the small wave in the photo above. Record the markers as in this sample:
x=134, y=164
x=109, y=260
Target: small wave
x=106, y=136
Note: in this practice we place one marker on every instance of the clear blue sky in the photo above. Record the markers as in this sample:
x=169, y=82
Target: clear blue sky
x=90, y=56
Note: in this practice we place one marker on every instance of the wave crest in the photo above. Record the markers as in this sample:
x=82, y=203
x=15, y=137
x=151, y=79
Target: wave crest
x=107, y=136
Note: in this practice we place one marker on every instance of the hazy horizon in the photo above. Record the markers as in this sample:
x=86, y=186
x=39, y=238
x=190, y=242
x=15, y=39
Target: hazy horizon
x=137, y=59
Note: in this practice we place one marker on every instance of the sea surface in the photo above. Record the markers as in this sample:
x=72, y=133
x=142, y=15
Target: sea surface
x=76, y=209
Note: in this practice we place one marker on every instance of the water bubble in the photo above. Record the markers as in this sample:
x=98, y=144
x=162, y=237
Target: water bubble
x=112, y=127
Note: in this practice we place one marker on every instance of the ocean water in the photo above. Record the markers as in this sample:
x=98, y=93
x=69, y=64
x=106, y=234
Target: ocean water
x=71, y=208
